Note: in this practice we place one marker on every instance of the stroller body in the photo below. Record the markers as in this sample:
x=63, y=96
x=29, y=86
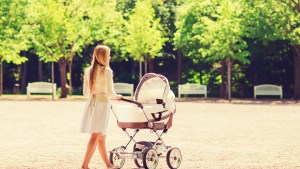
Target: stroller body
x=153, y=108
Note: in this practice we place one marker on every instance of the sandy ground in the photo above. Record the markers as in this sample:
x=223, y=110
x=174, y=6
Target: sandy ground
x=45, y=134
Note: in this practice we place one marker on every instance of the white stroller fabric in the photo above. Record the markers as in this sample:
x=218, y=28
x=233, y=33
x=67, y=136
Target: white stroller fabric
x=151, y=88
x=132, y=113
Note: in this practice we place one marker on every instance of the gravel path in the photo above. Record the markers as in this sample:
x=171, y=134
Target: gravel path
x=45, y=134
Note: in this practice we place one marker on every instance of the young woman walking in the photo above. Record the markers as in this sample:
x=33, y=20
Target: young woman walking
x=98, y=86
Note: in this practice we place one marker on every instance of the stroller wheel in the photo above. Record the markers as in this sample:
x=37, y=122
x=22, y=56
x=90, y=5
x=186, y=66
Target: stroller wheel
x=138, y=149
x=174, y=158
x=138, y=162
x=150, y=158
x=115, y=157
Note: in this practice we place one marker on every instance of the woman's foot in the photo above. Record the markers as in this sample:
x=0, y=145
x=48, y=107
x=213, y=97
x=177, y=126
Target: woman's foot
x=111, y=166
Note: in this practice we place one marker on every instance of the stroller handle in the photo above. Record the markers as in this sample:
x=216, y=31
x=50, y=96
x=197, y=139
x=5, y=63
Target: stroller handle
x=134, y=102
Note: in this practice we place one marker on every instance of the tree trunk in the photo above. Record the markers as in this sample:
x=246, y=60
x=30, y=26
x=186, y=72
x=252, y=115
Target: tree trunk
x=63, y=77
x=40, y=71
x=1, y=78
x=70, y=71
x=179, y=67
x=296, y=57
x=229, y=61
x=146, y=64
x=52, y=77
x=133, y=68
x=151, y=65
x=223, y=93
x=23, y=76
x=255, y=71
x=140, y=62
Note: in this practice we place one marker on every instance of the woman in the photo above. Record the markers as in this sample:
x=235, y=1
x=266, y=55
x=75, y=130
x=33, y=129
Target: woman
x=98, y=86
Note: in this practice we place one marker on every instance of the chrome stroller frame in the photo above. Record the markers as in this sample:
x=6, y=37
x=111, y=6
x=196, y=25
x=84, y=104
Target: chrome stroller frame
x=146, y=154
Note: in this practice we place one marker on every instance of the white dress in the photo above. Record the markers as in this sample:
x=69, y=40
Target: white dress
x=97, y=109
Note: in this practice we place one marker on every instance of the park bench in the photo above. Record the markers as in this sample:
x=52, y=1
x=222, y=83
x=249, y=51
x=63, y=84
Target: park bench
x=123, y=88
x=268, y=89
x=41, y=87
x=192, y=89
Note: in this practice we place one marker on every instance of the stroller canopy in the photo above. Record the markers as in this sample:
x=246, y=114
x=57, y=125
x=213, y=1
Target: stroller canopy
x=154, y=89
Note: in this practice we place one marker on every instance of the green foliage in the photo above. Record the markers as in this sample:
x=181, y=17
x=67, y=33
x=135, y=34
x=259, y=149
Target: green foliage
x=125, y=7
x=212, y=29
x=114, y=36
x=165, y=11
x=224, y=36
x=13, y=38
x=188, y=19
x=207, y=31
x=63, y=28
x=143, y=32
x=199, y=77
x=195, y=77
x=273, y=20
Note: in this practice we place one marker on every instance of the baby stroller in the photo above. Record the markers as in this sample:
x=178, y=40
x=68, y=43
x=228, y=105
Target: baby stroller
x=153, y=108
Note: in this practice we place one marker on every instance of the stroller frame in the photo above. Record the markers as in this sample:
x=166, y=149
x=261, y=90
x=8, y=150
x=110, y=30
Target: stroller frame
x=146, y=154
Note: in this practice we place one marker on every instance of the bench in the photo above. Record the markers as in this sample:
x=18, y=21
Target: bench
x=192, y=89
x=41, y=87
x=123, y=88
x=268, y=89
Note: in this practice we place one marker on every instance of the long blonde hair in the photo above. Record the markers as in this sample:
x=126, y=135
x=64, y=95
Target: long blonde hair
x=100, y=60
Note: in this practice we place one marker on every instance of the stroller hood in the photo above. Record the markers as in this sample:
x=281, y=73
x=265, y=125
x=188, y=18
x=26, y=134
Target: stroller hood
x=154, y=89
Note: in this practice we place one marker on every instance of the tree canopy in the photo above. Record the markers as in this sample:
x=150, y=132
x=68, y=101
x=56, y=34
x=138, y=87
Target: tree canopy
x=144, y=35
x=226, y=44
x=273, y=20
x=62, y=28
x=13, y=37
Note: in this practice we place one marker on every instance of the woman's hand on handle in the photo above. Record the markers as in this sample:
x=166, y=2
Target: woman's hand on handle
x=119, y=97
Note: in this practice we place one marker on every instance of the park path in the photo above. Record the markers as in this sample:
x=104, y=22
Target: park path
x=45, y=134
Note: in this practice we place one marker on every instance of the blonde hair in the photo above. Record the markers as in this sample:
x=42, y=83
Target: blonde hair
x=100, y=59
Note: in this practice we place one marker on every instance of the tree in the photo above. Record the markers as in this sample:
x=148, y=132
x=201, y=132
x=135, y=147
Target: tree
x=215, y=27
x=276, y=20
x=166, y=11
x=13, y=37
x=144, y=37
x=222, y=38
x=62, y=28
x=189, y=14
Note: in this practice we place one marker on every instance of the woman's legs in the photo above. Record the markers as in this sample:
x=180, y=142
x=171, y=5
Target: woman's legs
x=90, y=149
x=102, y=150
